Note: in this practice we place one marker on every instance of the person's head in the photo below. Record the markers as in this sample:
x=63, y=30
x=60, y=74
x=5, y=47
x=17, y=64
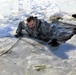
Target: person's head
x=31, y=21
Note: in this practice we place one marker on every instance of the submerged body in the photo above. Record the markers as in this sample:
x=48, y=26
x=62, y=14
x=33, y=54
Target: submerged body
x=41, y=30
x=51, y=33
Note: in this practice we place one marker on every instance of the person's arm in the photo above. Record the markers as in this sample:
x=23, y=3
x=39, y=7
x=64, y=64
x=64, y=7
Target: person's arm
x=22, y=25
x=43, y=31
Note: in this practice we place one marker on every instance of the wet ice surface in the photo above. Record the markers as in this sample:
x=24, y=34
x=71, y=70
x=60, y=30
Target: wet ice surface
x=28, y=54
x=31, y=56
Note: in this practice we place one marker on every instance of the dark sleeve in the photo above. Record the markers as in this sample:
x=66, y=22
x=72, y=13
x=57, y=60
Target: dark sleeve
x=43, y=31
x=22, y=25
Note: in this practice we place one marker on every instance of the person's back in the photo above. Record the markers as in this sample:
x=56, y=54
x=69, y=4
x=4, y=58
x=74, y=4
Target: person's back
x=36, y=29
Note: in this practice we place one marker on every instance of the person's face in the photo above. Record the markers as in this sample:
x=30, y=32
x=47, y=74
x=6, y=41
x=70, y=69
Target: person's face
x=31, y=24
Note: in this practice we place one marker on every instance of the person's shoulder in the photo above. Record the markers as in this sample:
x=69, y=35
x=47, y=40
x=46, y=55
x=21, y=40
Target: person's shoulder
x=45, y=22
x=21, y=22
x=25, y=21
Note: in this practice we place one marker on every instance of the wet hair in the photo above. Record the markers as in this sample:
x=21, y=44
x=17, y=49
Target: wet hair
x=30, y=18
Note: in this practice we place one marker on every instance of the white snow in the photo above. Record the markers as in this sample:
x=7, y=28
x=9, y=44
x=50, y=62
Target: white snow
x=41, y=8
x=61, y=59
x=10, y=16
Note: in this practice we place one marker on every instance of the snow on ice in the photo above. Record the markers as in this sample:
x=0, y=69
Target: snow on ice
x=43, y=9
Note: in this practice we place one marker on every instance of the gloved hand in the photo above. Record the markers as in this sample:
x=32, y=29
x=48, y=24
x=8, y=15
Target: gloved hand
x=53, y=42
